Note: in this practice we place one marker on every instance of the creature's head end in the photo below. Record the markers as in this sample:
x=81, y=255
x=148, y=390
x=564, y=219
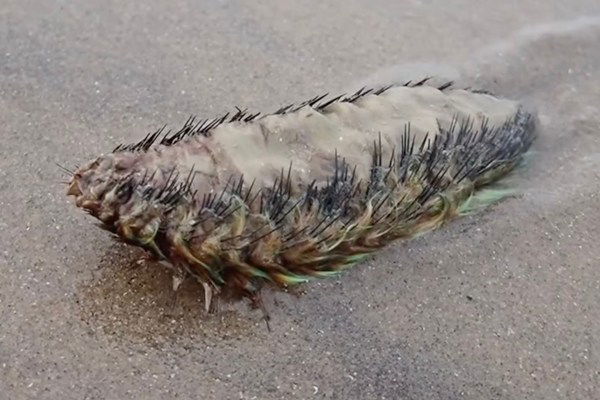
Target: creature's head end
x=95, y=184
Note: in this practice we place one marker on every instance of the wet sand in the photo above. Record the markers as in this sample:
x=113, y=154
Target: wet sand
x=499, y=305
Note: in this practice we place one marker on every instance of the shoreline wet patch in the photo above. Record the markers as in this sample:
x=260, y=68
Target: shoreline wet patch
x=132, y=299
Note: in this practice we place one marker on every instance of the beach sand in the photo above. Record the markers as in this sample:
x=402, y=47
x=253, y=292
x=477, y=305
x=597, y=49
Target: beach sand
x=504, y=304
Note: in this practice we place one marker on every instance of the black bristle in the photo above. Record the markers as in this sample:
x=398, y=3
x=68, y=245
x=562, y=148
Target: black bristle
x=422, y=82
x=204, y=127
x=446, y=85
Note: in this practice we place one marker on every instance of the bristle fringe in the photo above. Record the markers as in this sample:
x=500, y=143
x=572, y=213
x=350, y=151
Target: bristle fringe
x=194, y=126
x=240, y=238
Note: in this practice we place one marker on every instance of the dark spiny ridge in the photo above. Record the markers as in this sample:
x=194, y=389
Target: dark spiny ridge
x=480, y=149
x=204, y=127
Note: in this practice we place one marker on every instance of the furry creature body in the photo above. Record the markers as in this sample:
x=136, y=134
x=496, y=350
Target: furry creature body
x=247, y=200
